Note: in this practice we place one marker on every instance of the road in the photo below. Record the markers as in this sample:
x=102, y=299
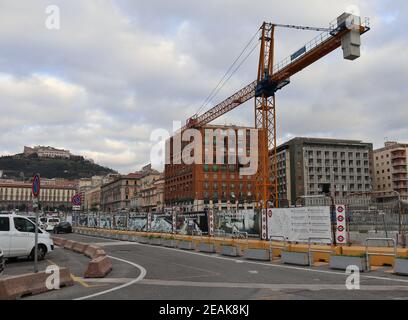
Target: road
x=145, y=272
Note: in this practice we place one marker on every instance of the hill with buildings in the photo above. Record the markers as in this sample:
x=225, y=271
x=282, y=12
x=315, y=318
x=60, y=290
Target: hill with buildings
x=73, y=167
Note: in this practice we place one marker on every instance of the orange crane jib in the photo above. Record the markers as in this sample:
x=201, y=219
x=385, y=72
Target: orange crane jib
x=279, y=77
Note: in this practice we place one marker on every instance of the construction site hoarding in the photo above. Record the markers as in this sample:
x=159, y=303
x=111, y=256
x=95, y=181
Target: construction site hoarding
x=234, y=221
x=300, y=224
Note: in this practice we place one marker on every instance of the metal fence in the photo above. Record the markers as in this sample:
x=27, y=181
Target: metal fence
x=385, y=217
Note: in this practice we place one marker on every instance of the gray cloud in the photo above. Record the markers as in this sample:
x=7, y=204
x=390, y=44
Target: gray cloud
x=119, y=69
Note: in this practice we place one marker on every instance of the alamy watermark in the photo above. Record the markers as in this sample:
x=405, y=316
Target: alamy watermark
x=53, y=17
x=53, y=282
x=353, y=280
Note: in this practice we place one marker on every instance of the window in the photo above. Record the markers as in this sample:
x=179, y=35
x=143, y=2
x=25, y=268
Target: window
x=4, y=224
x=24, y=225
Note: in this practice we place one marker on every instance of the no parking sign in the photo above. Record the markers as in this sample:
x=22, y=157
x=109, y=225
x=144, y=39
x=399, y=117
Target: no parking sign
x=341, y=227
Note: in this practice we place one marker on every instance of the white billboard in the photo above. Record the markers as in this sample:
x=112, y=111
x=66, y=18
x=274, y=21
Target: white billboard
x=300, y=224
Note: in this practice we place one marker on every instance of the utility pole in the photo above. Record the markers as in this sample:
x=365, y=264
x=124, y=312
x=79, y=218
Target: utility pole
x=36, y=186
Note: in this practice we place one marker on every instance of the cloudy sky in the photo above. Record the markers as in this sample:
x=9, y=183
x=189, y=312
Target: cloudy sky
x=117, y=70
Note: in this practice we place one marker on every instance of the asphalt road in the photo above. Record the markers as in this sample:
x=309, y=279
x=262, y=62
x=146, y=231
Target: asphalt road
x=145, y=272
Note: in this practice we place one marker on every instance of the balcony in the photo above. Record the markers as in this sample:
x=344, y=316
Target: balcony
x=400, y=178
x=399, y=162
x=401, y=188
x=402, y=171
x=400, y=154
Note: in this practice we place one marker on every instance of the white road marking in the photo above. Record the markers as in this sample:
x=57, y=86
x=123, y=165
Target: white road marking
x=273, y=287
x=253, y=271
x=143, y=273
x=114, y=243
x=107, y=280
x=216, y=256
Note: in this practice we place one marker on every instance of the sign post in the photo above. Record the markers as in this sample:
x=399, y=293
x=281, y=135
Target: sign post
x=35, y=189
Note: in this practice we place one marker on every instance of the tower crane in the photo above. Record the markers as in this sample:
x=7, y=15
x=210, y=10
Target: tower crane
x=345, y=31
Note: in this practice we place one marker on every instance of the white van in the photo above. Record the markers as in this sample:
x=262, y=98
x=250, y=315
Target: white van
x=17, y=238
x=51, y=223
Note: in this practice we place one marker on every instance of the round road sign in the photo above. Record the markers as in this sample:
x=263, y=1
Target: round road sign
x=340, y=218
x=36, y=186
x=76, y=200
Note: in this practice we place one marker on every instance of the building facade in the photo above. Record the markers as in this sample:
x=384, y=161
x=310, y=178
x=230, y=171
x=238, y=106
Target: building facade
x=85, y=185
x=151, y=193
x=92, y=199
x=306, y=165
x=117, y=194
x=391, y=170
x=199, y=185
x=47, y=152
x=18, y=195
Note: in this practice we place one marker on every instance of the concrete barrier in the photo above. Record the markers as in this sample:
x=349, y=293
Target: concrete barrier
x=69, y=244
x=295, y=258
x=143, y=240
x=15, y=287
x=133, y=239
x=59, y=241
x=155, y=241
x=94, y=252
x=230, y=251
x=124, y=237
x=169, y=243
x=99, y=267
x=343, y=262
x=257, y=254
x=206, y=247
x=401, y=266
x=185, y=245
x=79, y=247
x=376, y=260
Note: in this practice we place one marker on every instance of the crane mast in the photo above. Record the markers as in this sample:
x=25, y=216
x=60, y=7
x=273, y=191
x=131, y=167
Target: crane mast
x=265, y=117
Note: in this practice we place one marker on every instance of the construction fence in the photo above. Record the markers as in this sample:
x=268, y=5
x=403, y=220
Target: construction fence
x=365, y=218
x=208, y=222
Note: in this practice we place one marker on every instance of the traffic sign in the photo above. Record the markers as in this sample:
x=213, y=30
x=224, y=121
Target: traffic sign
x=76, y=200
x=341, y=230
x=36, y=186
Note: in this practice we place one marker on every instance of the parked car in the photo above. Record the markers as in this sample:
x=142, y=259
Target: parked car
x=40, y=224
x=1, y=262
x=17, y=238
x=51, y=223
x=63, y=227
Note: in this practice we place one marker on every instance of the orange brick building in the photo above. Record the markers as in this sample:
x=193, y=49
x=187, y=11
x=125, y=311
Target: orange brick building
x=199, y=185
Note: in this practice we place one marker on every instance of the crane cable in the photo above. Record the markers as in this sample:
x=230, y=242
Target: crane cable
x=236, y=69
x=224, y=78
